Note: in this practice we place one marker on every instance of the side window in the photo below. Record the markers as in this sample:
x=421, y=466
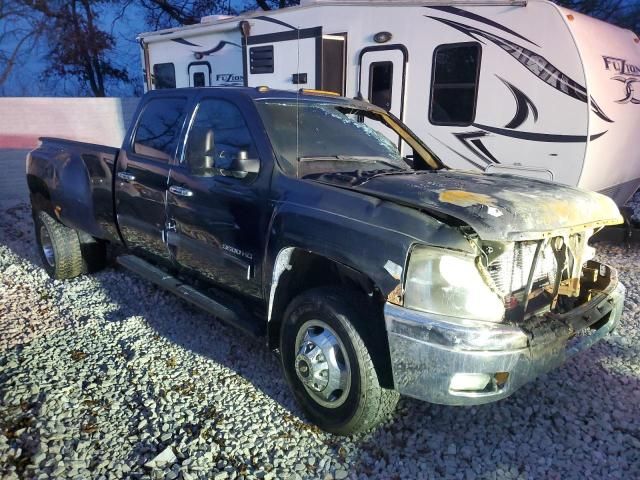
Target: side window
x=381, y=84
x=454, y=86
x=159, y=128
x=218, y=136
x=164, y=75
x=198, y=79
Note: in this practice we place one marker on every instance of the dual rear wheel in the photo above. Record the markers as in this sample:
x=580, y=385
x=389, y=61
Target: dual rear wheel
x=66, y=253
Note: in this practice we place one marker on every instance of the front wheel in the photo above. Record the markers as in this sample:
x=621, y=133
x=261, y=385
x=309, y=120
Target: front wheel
x=327, y=364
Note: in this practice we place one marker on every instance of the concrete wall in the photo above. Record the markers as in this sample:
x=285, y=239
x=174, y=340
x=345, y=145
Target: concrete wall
x=94, y=120
x=24, y=120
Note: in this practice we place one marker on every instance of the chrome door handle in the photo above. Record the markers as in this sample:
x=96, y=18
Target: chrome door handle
x=181, y=191
x=126, y=176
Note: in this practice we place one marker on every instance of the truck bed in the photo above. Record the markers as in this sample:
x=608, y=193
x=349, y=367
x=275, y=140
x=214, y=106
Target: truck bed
x=73, y=181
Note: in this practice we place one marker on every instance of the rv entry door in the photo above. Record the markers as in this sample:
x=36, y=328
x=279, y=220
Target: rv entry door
x=199, y=74
x=382, y=81
x=382, y=76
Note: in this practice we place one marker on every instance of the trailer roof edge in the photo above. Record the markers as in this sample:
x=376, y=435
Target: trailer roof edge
x=231, y=22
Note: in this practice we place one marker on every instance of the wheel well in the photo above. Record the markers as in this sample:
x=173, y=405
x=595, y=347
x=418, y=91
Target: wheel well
x=308, y=270
x=39, y=193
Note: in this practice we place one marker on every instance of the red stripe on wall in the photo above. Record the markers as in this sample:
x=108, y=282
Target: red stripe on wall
x=18, y=141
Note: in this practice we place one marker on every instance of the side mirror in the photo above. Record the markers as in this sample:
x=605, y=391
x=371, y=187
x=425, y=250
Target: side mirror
x=238, y=166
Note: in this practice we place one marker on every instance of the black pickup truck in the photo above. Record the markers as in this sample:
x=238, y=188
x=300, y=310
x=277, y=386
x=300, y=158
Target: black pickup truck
x=290, y=215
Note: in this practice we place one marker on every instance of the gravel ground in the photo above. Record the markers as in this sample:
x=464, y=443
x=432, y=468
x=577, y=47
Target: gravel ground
x=106, y=376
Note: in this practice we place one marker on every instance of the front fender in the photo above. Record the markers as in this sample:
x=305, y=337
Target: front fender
x=370, y=236
x=374, y=252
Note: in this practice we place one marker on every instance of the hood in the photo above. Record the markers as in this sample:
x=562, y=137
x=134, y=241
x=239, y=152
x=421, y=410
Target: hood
x=497, y=207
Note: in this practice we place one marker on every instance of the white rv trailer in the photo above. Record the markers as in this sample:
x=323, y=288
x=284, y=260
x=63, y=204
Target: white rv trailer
x=502, y=86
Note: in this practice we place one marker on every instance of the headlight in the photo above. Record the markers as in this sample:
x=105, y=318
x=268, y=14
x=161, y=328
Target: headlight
x=446, y=283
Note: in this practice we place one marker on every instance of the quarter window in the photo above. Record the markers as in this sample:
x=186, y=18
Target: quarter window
x=159, y=128
x=381, y=84
x=218, y=135
x=164, y=75
x=454, y=89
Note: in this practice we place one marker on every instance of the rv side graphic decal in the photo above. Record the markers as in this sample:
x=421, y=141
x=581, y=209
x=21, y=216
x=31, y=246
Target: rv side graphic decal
x=539, y=137
x=182, y=41
x=523, y=105
x=536, y=64
x=481, y=19
x=629, y=75
x=472, y=140
x=595, y=108
x=221, y=44
x=632, y=92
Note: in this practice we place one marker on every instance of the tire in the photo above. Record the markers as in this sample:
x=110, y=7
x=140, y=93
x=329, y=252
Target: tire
x=347, y=398
x=59, y=247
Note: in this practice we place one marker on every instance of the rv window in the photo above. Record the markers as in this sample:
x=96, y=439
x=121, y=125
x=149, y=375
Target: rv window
x=164, y=75
x=454, y=90
x=159, y=128
x=198, y=79
x=217, y=136
x=380, y=84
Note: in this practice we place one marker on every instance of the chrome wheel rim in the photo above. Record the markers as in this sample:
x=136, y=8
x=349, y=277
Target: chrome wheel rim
x=47, y=246
x=322, y=364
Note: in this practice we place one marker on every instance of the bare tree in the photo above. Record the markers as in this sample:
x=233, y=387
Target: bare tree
x=20, y=30
x=171, y=13
x=165, y=13
x=78, y=47
x=273, y=4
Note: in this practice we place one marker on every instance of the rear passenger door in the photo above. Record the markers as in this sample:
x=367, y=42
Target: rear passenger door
x=142, y=174
x=218, y=218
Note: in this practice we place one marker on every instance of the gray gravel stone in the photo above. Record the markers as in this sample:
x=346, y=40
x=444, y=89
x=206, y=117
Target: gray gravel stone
x=340, y=474
x=120, y=402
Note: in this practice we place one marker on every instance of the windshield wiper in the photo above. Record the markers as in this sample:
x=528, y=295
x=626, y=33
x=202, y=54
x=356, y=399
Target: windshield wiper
x=332, y=158
x=365, y=159
x=351, y=159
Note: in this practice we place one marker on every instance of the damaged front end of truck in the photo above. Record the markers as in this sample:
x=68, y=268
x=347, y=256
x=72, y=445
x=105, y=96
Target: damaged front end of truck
x=471, y=328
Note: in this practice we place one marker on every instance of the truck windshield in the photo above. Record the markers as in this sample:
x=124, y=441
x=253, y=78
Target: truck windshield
x=314, y=138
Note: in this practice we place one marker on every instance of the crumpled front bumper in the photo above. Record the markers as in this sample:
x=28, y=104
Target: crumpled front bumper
x=428, y=350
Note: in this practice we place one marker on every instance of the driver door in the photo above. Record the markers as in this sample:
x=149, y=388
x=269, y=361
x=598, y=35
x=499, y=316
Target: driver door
x=215, y=215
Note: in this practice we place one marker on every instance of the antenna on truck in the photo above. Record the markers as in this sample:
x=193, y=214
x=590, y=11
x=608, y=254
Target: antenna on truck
x=298, y=109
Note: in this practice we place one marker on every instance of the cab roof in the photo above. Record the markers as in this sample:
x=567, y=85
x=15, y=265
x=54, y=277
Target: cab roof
x=260, y=93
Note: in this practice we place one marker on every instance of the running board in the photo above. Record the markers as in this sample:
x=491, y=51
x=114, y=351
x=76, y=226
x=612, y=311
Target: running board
x=236, y=316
